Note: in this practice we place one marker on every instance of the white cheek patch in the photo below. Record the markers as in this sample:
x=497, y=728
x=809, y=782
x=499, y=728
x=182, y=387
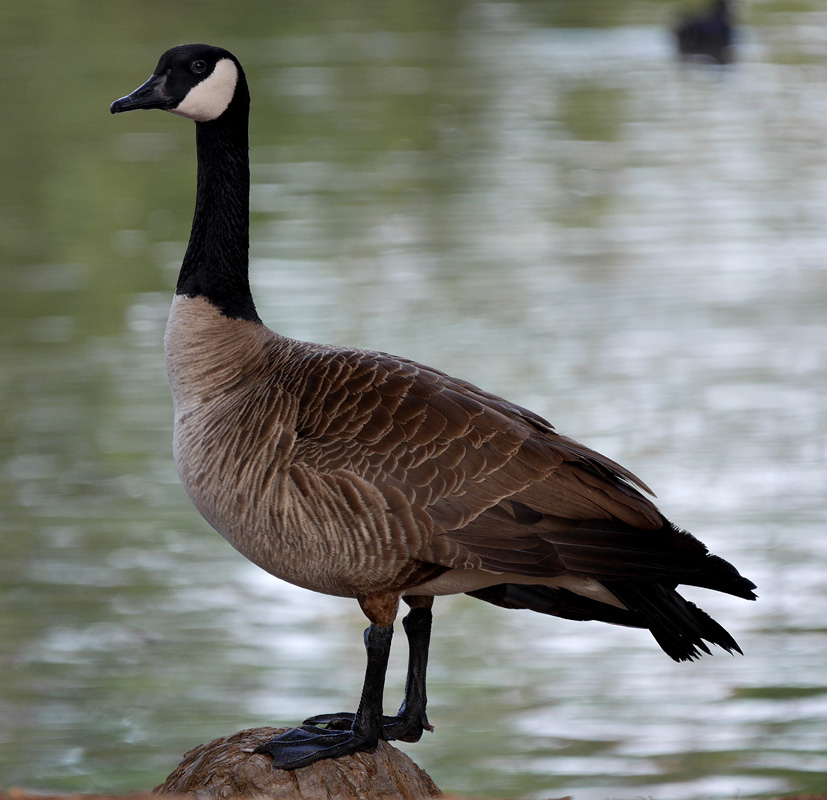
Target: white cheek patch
x=209, y=99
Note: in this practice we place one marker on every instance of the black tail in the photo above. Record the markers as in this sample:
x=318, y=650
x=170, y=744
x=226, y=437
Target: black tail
x=679, y=627
x=614, y=552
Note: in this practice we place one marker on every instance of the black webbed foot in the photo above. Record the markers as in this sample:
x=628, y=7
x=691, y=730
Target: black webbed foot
x=299, y=747
x=400, y=728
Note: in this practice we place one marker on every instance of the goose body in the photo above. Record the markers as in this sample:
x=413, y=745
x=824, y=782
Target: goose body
x=364, y=475
x=373, y=504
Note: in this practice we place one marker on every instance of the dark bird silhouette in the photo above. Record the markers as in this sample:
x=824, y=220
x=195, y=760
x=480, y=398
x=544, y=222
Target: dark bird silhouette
x=707, y=35
x=364, y=475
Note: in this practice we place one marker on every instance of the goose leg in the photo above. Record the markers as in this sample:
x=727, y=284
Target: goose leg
x=299, y=747
x=411, y=719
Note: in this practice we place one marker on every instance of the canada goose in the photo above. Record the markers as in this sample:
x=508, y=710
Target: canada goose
x=363, y=475
x=707, y=35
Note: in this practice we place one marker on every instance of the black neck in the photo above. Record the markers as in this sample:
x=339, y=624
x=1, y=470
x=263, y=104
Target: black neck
x=216, y=262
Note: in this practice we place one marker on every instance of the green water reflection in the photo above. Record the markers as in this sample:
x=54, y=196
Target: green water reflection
x=532, y=196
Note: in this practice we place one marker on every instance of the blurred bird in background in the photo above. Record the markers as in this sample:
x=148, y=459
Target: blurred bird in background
x=708, y=35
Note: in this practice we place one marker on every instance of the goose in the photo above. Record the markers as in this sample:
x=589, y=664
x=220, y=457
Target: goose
x=363, y=475
x=707, y=35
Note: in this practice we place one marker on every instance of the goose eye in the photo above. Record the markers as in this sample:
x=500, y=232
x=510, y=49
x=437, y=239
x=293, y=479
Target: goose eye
x=199, y=66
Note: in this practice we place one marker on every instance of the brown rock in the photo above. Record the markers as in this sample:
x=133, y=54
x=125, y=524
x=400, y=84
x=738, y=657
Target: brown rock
x=227, y=767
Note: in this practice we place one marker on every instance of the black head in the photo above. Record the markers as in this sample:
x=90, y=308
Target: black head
x=196, y=81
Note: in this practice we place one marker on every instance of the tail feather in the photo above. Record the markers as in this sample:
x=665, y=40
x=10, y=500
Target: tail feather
x=615, y=550
x=680, y=628
x=555, y=602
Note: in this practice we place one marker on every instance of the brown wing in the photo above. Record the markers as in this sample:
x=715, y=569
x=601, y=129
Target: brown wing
x=496, y=485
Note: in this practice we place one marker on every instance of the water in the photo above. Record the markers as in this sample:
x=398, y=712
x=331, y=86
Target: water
x=560, y=214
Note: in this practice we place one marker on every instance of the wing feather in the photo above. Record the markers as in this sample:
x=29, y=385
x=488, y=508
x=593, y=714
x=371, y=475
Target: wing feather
x=493, y=483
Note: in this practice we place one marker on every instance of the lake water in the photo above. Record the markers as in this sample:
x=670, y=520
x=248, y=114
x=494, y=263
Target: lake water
x=535, y=197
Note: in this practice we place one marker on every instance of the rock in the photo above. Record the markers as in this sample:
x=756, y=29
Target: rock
x=227, y=767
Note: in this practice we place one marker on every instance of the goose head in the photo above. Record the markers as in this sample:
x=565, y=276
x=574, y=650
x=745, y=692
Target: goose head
x=196, y=81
